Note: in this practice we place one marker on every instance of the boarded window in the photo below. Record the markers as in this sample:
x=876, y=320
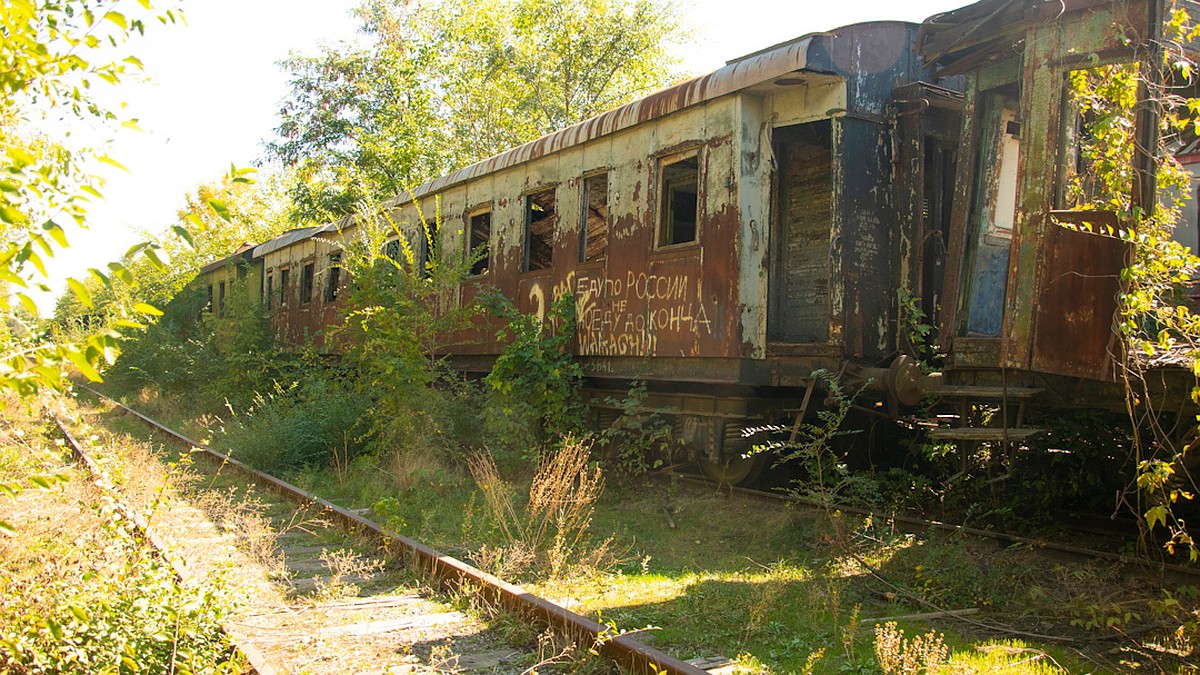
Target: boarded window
x=593, y=237
x=283, y=287
x=306, y=284
x=540, y=219
x=678, y=200
x=334, y=277
x=478, y=249
x=269, y=295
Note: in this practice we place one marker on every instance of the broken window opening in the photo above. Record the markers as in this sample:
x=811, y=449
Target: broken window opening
x=334, y=277
x=678, y=200
x=479, y=247
x=283, y=287
x=208, y=307
x=269, y=294
x=306, y=283
x=593, y=236
x=392, y=250
x=1098, y=138
x=540, y=219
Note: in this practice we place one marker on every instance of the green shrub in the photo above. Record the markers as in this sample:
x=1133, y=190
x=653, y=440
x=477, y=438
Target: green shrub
x=533, y=390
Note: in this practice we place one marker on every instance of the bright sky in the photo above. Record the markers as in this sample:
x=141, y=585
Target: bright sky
x=214, y=88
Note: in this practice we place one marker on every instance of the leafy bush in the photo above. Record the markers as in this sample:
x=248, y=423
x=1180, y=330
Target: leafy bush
x=638, y=440
x=534, y=386
x=316, y=421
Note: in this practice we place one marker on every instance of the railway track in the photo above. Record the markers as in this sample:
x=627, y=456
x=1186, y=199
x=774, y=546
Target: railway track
x=305, y=624
x=1166, y=572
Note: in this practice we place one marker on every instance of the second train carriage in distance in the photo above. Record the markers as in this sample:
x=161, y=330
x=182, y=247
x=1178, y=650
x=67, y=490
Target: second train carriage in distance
x=727, y=237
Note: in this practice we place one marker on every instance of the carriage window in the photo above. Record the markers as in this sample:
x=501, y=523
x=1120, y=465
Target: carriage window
x=480, y=234
x=540, y=219
x=221, y=299
x=392, y=249
x=269, y=295
x=335, y=273
x=283, y=287
x=306, y=284
x=678, y=199
x=209, y=306
x=593, y=236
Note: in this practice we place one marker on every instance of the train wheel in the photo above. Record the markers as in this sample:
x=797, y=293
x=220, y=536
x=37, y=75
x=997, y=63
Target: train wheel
x=735, y=470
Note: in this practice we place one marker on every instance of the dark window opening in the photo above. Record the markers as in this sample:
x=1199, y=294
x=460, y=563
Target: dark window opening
x=306, y=284
x=335, y=273
x=209, y=305
x=478, y=247
x=242, y=270
x=593, y=242
x=221, y=299
x=269, y=296
x=283, y=287
x=679, y=201
x=392, y=250
x=540, y=219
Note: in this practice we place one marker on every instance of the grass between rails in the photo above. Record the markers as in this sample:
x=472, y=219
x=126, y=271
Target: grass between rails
x=788, y=590
x=80, y=590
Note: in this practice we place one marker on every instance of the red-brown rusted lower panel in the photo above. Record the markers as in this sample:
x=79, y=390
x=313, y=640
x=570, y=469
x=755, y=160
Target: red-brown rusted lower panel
x=1076, y=302
x=631, y=655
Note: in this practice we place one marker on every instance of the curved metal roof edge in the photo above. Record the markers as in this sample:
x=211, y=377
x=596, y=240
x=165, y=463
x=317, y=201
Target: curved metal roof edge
x=740, y=73
x=293, y=236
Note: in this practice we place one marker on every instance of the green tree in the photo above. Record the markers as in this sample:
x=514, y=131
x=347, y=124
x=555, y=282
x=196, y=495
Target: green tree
x=54, y=56
x=1159, y=323
x=443, y=85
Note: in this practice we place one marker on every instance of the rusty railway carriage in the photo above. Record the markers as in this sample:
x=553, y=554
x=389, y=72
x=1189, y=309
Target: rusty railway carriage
x=727, y=237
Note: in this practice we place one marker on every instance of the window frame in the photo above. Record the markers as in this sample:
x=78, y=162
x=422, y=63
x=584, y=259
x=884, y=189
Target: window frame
x=585, y=205
x=482, y=266
x=664, y=201
x=308, y=274
x=284, y=274
x=528, y=201
x=333, y=277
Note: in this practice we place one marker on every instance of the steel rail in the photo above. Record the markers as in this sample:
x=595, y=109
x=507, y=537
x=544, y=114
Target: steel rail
x=258, y=662
x=1166, y=571
x=628, y=653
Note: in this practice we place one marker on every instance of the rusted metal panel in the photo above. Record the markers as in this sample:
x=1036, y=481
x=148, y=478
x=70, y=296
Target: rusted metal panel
x=1077, y=285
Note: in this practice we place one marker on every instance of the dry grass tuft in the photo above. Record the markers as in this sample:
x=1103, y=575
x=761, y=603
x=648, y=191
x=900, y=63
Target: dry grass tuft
x=551, y=531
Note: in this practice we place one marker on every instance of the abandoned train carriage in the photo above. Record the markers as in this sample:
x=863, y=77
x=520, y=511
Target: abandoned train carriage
x=727, y=237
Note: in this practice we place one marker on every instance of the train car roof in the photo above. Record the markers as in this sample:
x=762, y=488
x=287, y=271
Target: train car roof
x=825, y=56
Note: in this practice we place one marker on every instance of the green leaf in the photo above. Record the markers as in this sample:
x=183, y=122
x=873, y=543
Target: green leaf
x=105, y=159
x=57, y=233
x=118, y=18
x=122, y=273
x=184, y=234
x=126, y=323
x=81, y=292
x=144, y=308
x=7, y=530
x=28, y=303
x=84, y=366
x=220, y=207
x=155, y=256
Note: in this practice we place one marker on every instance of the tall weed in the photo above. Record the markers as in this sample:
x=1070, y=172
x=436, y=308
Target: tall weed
x=550, y=531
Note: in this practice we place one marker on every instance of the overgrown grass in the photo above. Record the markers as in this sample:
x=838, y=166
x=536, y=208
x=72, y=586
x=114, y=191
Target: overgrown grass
x=80, y=591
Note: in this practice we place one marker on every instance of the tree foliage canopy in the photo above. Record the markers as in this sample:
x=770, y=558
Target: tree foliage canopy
x=440, y=86
x=54, y=56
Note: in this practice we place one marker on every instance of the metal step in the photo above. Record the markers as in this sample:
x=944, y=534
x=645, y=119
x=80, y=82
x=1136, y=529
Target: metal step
x=990, y=393
x=982, y=433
